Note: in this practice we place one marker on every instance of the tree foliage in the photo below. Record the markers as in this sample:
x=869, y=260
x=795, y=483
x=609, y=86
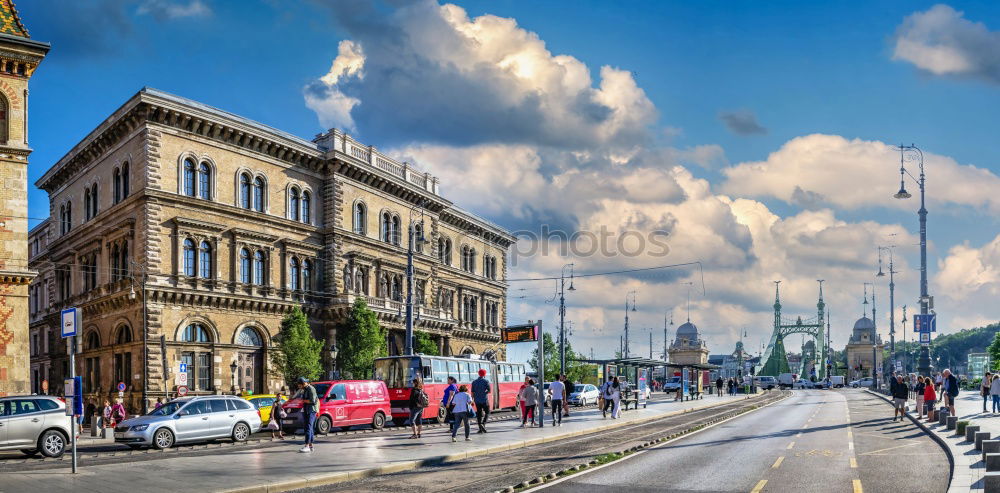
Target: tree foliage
x=575, y=370
x=994, y=350
x=422, y=343
x=298, y=353
x=360, y=339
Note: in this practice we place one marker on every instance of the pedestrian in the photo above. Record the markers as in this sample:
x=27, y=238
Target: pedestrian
x=608, y=394
x=418, y=401
x=159, y=403
x=118, y=412
x=558, y=390
x=107, y=420
x=918, y=389
x=731, y=387
x=984, y=388
x=616, y=397
x=481, y=397
x=900, y=394
x=995, y=392
x=278, y=413
x=460, y=404
x=310, y=407
x=718, y=386
x=929, y=398
x=450, y=389
x=529, y=400
x=949, y=390
x=938, y=381
x=568, y=388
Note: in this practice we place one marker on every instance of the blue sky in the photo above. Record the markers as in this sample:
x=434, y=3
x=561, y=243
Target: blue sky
x=796, y=68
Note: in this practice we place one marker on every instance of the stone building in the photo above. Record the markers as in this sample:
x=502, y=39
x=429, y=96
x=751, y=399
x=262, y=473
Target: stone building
x=209, y=228
x=19, y=56
x=688, y=346
x=859, y=350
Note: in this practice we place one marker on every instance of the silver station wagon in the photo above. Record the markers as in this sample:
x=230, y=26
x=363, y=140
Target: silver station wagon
x=33, y=424
x=191, y=419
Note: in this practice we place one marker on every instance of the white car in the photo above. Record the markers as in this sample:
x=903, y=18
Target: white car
x=864, y=382
x=585, y=395
x=803, y=384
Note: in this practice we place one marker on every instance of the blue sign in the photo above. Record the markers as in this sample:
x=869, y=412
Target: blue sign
x=121, y=386
x=183, y=368
x=69, y=322
x=925, y=323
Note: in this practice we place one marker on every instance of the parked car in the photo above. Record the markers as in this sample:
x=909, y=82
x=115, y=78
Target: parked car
x=803, y=384
x=33, y=424
x=584, y=395
x=343, y=403
x=837, y=381
x=191, y=419
x=263, y=404
x=821, y=384
x=672, y=385
x=765, y=382
x=864, y=382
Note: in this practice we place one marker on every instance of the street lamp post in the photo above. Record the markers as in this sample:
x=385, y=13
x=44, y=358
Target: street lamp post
x=412, y=238
x=145, y=330
x=562, y=314
x=892, y=302
x=911, y=153
x=333, y=360
x=232, y=371
x=625, y=345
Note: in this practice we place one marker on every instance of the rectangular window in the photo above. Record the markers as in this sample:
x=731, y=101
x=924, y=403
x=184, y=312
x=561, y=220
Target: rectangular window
x=188, y=359
x=440, y=370
x=205, y=371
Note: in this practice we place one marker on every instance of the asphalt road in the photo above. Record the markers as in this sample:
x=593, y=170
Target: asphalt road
x=816, y=441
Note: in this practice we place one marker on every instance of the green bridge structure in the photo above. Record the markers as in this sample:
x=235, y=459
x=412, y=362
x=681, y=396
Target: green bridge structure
x=775, y=358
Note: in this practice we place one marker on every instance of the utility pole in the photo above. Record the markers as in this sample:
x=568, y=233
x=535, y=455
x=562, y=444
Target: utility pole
x=409, y=278
x=145, y=330
x=892, y=301
x=562, y=314
x=625, y=350
x=911, y=153
x=650, y=343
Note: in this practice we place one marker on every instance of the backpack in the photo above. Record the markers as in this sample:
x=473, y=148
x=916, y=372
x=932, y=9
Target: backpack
x=422, y=399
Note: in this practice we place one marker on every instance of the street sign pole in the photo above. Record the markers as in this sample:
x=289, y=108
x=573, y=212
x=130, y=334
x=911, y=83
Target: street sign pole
x=69, y=324
x=540, y=409
x=72, y=418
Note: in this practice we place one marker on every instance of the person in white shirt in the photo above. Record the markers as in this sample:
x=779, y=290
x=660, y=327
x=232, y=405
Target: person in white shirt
x=616, y=397
x=606, y=397
x=558, y=391
x=462, y=411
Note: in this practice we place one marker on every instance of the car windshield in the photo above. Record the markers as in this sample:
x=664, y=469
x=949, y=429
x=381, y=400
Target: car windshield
x=397, y=373
x=321, y=389
x=167, y=409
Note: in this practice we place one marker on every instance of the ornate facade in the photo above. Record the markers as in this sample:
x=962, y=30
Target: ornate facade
x=688, y=347
x=862, y=359
x=208, y=228
x=19, y=56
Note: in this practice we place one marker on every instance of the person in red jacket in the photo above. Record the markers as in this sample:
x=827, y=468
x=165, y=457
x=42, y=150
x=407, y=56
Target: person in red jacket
x=929, y=398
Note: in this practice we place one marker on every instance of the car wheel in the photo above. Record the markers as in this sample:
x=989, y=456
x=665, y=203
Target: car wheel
x=52, y=443
x=378, y=422
x=30, y=452
x=163, y=439
x=441, y=415
x=323, y=425
x=583, y=402
x=241, y=432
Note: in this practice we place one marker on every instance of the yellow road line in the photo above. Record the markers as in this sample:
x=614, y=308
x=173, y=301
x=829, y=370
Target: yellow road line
x=790, y=445
x=857, y=486
x=777, y=463
x=850, y=434
x=759, y=487
x=854, y=463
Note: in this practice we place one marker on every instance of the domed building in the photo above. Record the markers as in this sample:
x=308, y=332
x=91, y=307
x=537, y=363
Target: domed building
x=860, y=362
x=688, y=347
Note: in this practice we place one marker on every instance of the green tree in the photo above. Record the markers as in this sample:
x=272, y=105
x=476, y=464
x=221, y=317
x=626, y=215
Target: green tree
x=575, y=370
x=994, y=351
x=298, y=352
x=360, y=339
x=422, y=343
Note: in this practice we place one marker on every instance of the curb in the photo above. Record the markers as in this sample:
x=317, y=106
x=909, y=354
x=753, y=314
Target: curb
x=333, y=478
x=934, y=436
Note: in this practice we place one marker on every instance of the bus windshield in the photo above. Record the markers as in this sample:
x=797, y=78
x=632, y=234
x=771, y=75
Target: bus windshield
x=397, y=373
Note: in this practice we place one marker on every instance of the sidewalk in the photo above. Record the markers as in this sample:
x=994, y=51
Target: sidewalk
x=284, y=468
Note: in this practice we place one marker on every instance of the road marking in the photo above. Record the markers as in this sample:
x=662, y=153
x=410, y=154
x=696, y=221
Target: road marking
x=790, y=445
x=850, y=445
x=857, y=486
x=777, y=463
x=873, y=452
x=854, y=463
x=798, y=435
x=850, y=435
x=759, y=487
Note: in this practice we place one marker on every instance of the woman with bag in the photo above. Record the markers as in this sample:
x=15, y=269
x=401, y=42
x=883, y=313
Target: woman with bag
x=277, y=415
x=918, y=389
x=462, y=410
x=529, y=399
x=523, y=401
x=984, y=388
x=418, y=401
x=117, y=413
x=616, y=397
x=930, y=397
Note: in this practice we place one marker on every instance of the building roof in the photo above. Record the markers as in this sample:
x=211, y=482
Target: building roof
x=864, y=323
x=10, y=21
x=687, y=331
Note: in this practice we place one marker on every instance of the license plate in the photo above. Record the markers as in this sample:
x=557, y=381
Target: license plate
x=119, y=434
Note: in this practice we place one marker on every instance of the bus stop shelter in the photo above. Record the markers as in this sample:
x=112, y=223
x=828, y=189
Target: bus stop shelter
x=692, y=377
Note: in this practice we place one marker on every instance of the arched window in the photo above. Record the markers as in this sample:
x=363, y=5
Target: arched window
x=395, y=230
x=93, y=340
x=360, y=218
x=418, y=236
x=397, y=289
x=116, y=273
x=386, y=227
x=294, y=274
x=4, y=120
x=66, y=217
x=189, y=258
x=245, y=191
x=258, y=267
x=117, y=185
x=306, y=207
x=189, y=178
x=444, y=250
x=93, y=200
x=205, y=260
x=293, y=204
x=307, y=273
x=249, y=337
x=258, y=194
x=124, y=335
x=124, y=259
x=125, y=180
x=204, y=181
x=245, y=266
x=195, y=333
x=86, y=203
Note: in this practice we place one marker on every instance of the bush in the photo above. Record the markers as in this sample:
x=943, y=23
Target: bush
x=960, y=427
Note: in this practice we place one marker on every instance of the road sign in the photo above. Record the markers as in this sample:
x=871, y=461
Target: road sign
x=181, y=379
x=899, y=366
x=121, y=394
x=520, y=333
x=183, y=368
x=70, y=321
x=925, y=323
x=74, y=396
x=121, y=386
x=925, y=337
x=182, y=390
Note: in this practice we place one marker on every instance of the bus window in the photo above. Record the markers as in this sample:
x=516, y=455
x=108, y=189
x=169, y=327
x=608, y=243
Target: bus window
x=453, y=370
x=466, y=372
x=506, y=373
x=440, y=371
x=397, y=373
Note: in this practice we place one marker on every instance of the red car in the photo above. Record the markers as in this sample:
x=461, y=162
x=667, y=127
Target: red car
x=343, y=403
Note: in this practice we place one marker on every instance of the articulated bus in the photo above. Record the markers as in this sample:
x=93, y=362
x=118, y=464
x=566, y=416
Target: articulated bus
x=398, y=373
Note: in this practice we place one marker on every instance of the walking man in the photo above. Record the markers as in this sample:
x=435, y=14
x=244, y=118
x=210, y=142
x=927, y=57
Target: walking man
x=557, y=388
x=950, y=390
x=481, y=396
x=310, y=406
x=900, y=393
x=718, y=386
x=606, y=395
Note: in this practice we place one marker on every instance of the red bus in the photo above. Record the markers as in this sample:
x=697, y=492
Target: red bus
x=398, y=373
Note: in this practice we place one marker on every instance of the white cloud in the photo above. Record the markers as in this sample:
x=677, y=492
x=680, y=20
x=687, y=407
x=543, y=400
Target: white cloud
x=167, y=9
x=968, y=280
x=942, y=41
